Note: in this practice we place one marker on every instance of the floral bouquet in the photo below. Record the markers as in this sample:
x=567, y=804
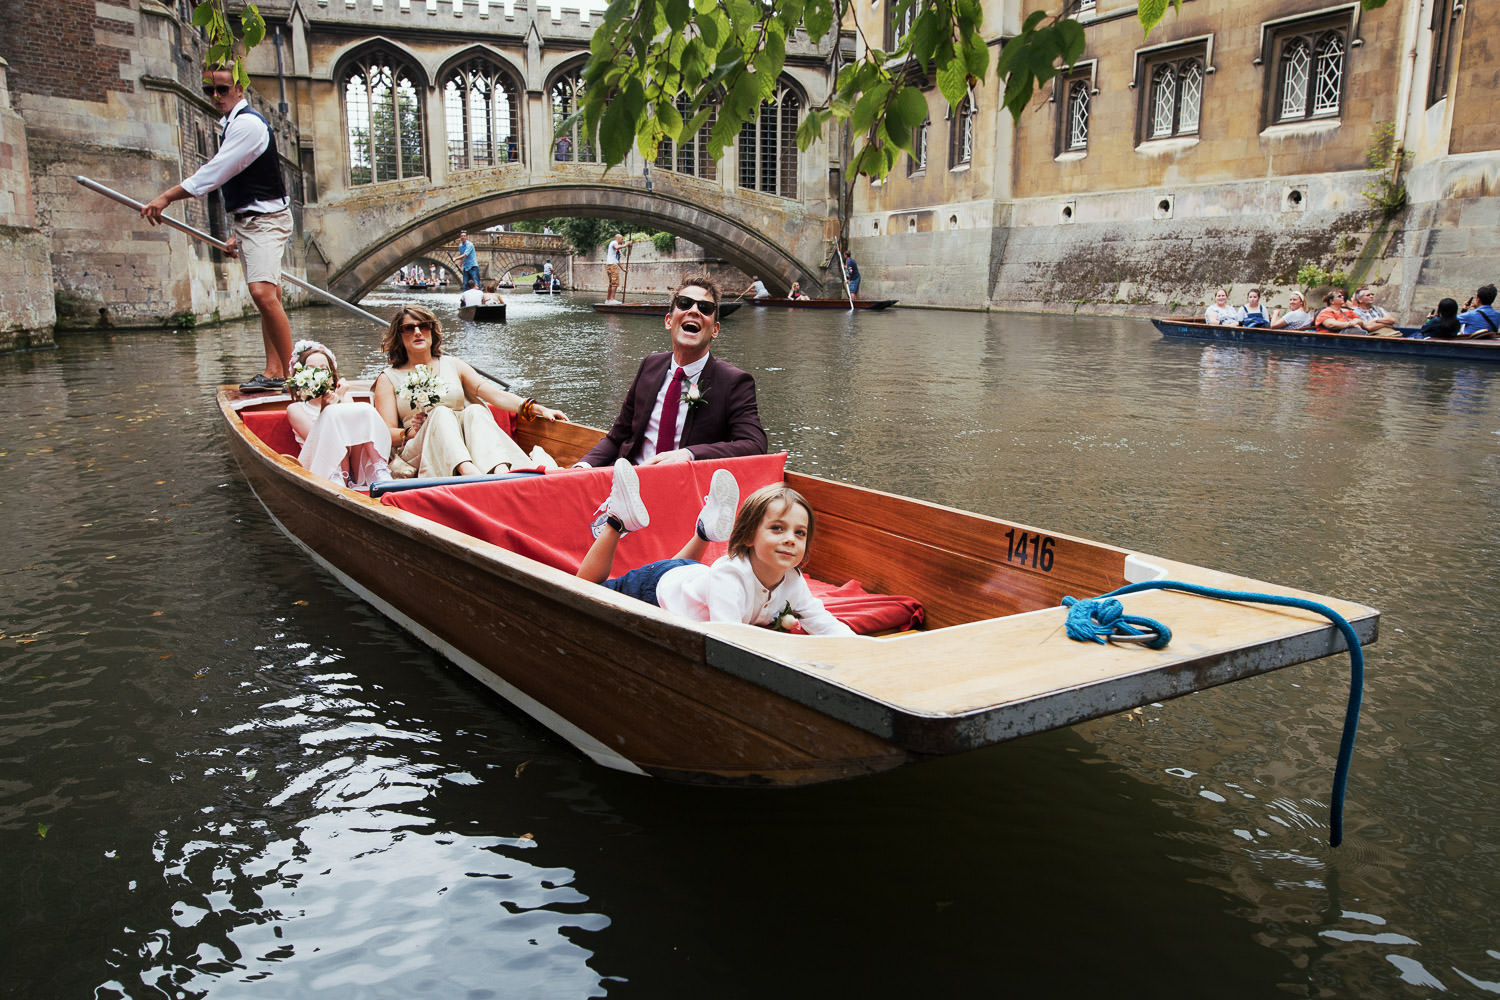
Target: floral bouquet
x=309, y=382
x=424, y=389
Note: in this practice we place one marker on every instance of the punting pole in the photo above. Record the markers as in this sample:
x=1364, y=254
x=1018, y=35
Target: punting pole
x=845, y=272
x=199, y=234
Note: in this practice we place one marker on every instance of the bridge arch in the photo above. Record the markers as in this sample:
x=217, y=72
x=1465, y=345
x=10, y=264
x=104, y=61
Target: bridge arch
x=719, y=229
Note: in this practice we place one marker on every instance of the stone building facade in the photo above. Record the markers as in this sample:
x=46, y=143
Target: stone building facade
x=111, y=90
x=1227, y=148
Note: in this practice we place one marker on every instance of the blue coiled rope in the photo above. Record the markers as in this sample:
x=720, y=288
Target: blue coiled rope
x=1098, y=617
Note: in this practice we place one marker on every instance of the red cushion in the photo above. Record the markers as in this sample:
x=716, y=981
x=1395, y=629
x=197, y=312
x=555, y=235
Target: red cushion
x=272, y=427
x=547, y=518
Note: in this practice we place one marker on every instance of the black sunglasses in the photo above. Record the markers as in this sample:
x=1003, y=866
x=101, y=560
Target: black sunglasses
x=413, y=327
x=706, y=307
x=216, y=90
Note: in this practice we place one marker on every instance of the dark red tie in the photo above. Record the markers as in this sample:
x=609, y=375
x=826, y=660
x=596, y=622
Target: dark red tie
x=666, y=435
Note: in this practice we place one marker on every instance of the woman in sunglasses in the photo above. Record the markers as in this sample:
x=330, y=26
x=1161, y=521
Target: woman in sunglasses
x=437, y=418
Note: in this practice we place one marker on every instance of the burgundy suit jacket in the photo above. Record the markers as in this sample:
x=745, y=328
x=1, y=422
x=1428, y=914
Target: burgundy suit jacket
x=725, y=425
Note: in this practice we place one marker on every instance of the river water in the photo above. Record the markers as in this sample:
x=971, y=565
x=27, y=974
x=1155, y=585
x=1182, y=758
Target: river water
x=223, y=775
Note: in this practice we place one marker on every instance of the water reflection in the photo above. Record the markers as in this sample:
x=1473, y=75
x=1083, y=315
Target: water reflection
x=226, y=769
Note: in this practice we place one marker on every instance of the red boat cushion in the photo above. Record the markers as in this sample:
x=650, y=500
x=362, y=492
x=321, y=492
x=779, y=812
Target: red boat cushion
x=547, y=518
x=272, y=427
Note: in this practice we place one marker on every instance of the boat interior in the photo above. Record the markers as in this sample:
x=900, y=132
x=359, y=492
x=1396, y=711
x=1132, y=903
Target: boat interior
x=883, y=563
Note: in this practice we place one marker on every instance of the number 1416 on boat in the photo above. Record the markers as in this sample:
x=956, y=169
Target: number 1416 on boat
x=1027, y=549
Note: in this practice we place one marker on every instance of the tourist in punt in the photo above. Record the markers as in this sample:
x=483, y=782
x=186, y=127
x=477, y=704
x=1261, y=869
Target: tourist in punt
x=1479, y=318
x=1336, y=316
x=685, y=404
x=755, y=290
x=468, y=258
x=757, y=582
x=796, y=292
x=1442, y=323
x=1372, y=318
x=342, y=441
x=852, y=276
x=472, y=295
x=1221, y=313
x=433, y=405
x=1252, y=313
x=1296, y=316
x=492, y=296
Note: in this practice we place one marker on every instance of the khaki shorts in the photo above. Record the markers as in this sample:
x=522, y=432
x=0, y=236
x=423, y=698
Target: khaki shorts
x=613, y=270
x=262, y=242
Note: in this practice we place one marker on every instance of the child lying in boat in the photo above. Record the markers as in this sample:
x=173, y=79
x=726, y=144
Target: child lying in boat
x=756, y=583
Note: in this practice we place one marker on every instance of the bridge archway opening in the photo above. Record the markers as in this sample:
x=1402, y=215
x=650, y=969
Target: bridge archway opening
x=679, y=212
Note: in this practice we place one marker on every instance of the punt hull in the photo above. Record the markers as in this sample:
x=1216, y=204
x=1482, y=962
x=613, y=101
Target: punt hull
x=483, y=314
x=811, y=303
x=642, y=691
x=1354, y=343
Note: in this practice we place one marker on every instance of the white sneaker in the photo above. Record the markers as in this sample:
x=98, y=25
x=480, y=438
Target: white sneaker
x=613, y=302
x=716, y=522
x=624, y=502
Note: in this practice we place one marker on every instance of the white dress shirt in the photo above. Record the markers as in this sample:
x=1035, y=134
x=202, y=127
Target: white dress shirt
x=245, y=138
x=653, y=426
x=728, y=591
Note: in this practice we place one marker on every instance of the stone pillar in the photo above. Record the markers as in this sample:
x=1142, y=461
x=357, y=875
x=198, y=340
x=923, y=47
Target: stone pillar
x=27, y=309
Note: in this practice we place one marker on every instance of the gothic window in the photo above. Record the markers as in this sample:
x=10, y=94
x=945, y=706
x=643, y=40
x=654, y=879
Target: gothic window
x=569, y=144
x=898, y=22
x=383, y=116
x=1073, y=99
x=1309, y=72
x=1444, y=26
x=961, y=135
x=689, y=155
x=1078, y=115
x=483, y=112
x=1174, y=98
x=917, y=163
x=768, y=146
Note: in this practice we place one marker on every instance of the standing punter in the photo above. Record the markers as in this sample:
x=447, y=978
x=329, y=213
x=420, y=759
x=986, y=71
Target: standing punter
x=247, y=168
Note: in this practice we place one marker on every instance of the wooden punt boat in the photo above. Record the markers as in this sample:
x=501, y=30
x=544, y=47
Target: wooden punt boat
x=1358, y=343
x=811, y=303
x=491, y=313
x=658, y=309
x=641, y=690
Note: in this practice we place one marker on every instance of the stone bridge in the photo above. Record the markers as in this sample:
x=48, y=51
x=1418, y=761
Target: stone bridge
x=419, y=118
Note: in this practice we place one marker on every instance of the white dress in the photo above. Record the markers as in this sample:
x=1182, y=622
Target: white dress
x=335, y=430
x=455, y=431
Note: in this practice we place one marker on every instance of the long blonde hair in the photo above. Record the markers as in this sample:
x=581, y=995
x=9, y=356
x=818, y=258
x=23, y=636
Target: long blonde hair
x=754, y=510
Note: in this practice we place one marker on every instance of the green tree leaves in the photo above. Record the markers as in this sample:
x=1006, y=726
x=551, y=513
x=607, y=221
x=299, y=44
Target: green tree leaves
x=213, y=18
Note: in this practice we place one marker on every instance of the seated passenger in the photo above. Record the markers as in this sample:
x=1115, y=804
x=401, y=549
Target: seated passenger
x=471, y=296
x=1221, y=313
x=796, y=292
x=1480, y=318
x=341, y=441
x=1336, y=317
x=491, y=296
x=1251, y=313
x=433, y=407
x=1443, y=324
x=756, y=583
x=1296, y=317
x=1372, y=318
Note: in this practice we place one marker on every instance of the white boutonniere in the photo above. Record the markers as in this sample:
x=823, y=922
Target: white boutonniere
x=786, y=619
x=693, y=396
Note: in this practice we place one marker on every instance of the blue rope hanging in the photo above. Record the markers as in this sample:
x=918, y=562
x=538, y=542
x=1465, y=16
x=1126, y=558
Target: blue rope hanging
x=1097, y=618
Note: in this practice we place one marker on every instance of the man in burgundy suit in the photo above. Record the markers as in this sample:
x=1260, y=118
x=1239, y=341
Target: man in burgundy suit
x=685, y=403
